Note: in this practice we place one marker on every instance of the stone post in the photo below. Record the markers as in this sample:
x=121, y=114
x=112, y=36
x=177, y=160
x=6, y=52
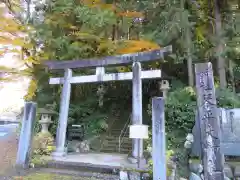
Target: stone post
x=63, y=116
x=26, y=135
x=137, y=145
x=212, y=158
x=158, y=139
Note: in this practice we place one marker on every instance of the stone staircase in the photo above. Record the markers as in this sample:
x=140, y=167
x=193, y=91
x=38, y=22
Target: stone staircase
x=111, y=142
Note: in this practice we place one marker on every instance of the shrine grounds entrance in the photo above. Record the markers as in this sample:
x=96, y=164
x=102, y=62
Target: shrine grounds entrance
x=100, y=76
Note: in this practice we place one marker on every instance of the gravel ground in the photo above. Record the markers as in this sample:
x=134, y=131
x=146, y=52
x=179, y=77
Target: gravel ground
x=43, y=176
x=8, y=152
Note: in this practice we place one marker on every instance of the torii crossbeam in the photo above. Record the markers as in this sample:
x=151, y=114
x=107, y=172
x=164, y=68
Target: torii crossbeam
x=110, y=60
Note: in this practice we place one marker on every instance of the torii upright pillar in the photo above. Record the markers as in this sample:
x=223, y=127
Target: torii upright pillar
x=137, y=145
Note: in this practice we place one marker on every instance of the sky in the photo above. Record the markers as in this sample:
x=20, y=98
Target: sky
x=12, y=93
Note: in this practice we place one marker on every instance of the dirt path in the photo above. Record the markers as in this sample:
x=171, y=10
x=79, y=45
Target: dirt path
x=8, y=152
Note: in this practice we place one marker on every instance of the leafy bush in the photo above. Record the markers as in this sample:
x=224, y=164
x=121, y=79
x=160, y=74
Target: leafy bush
x=40, y=161
x=43, y=144
x=180, y=108
x=169, y=154
x=86, y=113
x=227, y=99
x=180, y=115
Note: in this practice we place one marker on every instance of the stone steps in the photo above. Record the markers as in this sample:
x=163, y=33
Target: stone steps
x=117, y=132
x=111, y=142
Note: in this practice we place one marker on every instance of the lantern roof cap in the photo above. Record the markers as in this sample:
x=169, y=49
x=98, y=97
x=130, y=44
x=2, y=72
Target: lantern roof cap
x=46, y=111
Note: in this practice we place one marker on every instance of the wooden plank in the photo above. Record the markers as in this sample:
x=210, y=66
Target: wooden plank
x=110, y=60
x=107, y=77
x=213, y=159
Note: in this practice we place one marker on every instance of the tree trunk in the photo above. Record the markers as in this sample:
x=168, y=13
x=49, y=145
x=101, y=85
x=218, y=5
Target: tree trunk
x=187, y=36
x=189, y=59
x=220, y=47
x=231, y=66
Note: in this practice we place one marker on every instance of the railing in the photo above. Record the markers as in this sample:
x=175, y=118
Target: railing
x=107, y=133
x=123, y=133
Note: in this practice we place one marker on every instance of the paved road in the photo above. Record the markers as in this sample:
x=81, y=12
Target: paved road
x=7, y=129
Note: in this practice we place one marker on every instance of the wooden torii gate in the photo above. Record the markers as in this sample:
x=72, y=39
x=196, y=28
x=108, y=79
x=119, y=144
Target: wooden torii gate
x=136, y=76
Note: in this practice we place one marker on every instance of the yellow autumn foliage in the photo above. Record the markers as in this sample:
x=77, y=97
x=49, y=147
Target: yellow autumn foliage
x=133, y=46
x=91, y=2
x=100, y=4
x=10, y=32
x=13, y=35
x=131, y=14
x=107, y=6
x=31, y=90
x=83, y=35
x=12, y=39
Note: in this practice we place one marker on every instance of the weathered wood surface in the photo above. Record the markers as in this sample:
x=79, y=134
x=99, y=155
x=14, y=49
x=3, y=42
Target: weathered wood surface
x=110, y=60
x=63, y=115
x=230, y=131
x=213, y=162
x=101, y=77
x=158, y=139
x=26, y=135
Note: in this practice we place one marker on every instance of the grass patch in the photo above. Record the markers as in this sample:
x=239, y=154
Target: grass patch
x=46, y=176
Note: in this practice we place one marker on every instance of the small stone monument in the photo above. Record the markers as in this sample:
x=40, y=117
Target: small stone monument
x=210, y=128
x=164, y=87
x=46, y=116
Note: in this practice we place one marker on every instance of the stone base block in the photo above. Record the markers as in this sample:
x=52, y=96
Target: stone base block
x=59, y=154
x=134, y=160
x=127, y=175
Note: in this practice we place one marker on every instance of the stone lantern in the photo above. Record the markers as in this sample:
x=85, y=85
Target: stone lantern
x=164, y=87
x=45, y=118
